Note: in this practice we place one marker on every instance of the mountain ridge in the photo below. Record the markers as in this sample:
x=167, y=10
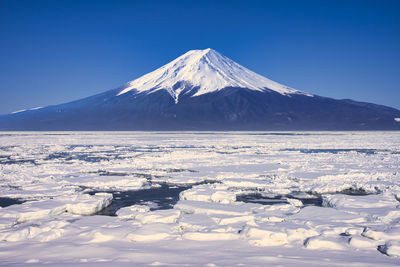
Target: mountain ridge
x=204, y=90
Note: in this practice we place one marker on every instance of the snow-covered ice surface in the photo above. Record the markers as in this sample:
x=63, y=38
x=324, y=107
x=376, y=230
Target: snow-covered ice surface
x=241, y=198
x=205, y=70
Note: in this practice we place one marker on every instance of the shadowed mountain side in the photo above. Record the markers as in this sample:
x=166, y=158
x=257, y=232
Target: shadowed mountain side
x=226, y=109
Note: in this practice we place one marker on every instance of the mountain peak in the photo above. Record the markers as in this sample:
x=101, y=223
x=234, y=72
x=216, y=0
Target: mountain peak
x=202, y=52
x=207, y=71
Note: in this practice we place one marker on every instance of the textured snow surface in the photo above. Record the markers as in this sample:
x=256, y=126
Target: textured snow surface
x=206, y=69
x=256, y=199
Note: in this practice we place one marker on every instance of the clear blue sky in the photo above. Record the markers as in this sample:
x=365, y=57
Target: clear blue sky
x=57, y=51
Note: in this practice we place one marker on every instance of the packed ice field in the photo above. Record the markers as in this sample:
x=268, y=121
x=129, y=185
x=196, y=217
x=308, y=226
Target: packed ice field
x=200, y=198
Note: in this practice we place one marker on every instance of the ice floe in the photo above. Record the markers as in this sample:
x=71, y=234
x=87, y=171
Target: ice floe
x=200, y=199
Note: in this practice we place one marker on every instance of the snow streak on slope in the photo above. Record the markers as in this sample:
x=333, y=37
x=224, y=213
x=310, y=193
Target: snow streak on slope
x=206, y=69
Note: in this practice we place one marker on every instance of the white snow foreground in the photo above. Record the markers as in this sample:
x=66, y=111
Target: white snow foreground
x=355, y=176
x=207, y=70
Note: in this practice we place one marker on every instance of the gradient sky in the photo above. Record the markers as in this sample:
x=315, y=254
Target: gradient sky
x=53, y=52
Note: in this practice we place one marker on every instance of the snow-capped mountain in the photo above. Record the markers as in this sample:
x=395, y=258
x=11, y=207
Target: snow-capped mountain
x=204, y=90
x=208, y=71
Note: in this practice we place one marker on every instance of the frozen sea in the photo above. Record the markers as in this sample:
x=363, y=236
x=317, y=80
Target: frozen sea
x=200, y=198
